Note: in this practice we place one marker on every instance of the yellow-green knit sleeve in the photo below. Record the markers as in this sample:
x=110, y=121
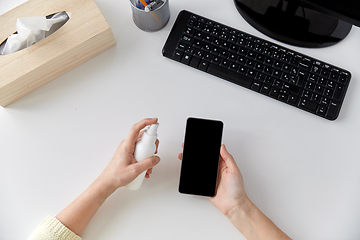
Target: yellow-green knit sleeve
x=53, y=229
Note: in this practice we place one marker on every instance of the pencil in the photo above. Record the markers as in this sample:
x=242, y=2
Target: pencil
x=152, y=13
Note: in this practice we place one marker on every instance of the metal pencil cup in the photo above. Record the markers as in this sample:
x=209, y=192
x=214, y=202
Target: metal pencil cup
x=151, y=21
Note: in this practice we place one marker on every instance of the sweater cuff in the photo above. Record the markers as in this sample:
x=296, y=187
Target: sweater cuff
x=52, y=228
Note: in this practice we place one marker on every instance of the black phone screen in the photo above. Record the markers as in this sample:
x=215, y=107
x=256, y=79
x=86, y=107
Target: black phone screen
x=200, y=160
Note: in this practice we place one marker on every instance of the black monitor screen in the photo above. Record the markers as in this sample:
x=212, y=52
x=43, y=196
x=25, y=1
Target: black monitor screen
x=305, y=23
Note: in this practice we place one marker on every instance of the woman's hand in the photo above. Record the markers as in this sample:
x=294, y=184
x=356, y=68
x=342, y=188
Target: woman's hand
x=232, y=201
x=123, y=168
x=230, y=191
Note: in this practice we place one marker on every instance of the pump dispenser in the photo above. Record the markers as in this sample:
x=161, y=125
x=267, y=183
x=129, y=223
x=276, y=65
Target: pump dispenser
x=144, y=148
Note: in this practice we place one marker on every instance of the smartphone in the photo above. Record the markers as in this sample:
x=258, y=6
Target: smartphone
x=200, y=159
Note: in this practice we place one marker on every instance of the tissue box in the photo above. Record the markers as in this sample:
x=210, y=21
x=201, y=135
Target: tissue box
x=85, y=35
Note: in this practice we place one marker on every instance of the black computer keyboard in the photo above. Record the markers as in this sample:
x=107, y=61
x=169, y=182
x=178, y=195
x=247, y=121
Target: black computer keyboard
x=257, y=64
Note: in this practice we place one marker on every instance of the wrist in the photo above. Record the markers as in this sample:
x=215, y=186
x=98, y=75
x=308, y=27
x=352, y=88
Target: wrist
x=240, y=211
x=104, y=188
x=252, y=223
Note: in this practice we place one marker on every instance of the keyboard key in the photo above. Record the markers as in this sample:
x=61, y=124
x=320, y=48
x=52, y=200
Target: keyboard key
x=310, y=86
x=197, y=44
x=294, y=61
x=203, y=66
x=190, y=32
x=216, y=60
x=334, y=74
x=319, y=89
x=251, y=73
x=207, y=56
x=195, y=62
x=338, y=92
x=283, y=97
x=224, y=63
x=315, y=98
x=315, y=69
x=293, y=79
x=186, y=59
x=267, y=70
x=233, y=66
x=199, y=54
x=306, y=94
x=321, y=110
x=178, y=55
x=292, y=88
x=187, y=40
x=260, y=76
x=304, y=66
x=243, y=70
x=250, y=63
x=333, y=111
x=207, y=38
x=232, y=57
x=312, y=78
x=269, y=61
x=330, y=84
x=307, y=105
x=256, y=86
x=265, y=89
x=344, y=77
x=223, y=54
x=274, y=92
x=232, y=77
x=325, y=73
x=325, y=101
x=301, y=78
x=278, y=84
x=328, y=93
x=292, y=99
x=206, y=47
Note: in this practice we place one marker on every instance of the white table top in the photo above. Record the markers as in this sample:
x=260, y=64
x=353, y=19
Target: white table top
x=302, y=171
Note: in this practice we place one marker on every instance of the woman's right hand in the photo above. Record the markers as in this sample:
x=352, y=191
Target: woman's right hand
x=230, y=193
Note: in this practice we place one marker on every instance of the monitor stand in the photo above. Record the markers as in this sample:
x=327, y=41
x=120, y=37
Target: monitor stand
x=292, y=23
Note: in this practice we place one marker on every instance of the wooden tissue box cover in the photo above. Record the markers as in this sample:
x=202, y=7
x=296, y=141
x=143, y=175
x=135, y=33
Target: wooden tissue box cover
x=85, y=35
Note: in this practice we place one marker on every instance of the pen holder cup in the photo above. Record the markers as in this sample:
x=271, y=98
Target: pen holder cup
x=150, y=21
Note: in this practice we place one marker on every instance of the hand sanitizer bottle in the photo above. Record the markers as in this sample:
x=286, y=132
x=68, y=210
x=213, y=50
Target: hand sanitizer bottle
x=144, y=148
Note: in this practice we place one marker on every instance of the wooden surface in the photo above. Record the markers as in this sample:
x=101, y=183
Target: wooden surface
x=84, y=35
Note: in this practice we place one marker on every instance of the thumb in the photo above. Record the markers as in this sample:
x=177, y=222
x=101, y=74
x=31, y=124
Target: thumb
x=147, y=163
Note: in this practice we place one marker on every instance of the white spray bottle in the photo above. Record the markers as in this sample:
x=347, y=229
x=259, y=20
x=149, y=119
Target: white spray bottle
x=144, y=148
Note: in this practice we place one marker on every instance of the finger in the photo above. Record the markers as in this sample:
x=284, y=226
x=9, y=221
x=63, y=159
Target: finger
x=157, y=145
x=133, y=135
x=227, y=157
x=141, y=134
x=180, y=154
x=148, y=172
x=147, y=164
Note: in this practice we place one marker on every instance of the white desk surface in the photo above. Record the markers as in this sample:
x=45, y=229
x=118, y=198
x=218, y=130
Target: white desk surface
x=302, y=171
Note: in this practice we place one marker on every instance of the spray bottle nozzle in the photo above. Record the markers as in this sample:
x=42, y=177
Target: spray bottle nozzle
x=152, y=130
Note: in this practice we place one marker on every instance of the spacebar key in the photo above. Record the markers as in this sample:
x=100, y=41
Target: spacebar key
x=229, y=75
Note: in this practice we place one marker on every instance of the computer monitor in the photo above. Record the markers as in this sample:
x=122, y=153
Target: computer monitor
x=304, y=23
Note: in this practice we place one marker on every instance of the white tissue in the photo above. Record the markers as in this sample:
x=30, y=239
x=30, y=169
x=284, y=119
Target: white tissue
x=31, y=30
